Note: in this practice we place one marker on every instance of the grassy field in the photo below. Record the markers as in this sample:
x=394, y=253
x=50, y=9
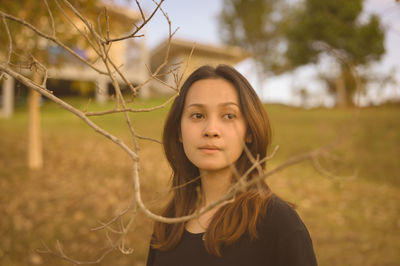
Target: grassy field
x=353, y=216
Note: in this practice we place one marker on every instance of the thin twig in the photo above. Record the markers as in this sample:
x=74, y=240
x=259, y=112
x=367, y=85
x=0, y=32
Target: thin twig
x=84, y=20
x=61, y=254
x=10, y=46
x=90, y=42
x=320, y=169
x=53, y=28
x=169, y=100
x=141, y=11
x=134, y=33
x=38, y=65
x=227, y=196
x=107, y=23
x=51, y=38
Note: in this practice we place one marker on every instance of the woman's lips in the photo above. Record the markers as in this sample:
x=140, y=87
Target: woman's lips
x=210, y=149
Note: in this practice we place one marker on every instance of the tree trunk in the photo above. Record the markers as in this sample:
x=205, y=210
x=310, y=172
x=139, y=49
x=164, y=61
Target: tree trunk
x=260, y=80
x=341, y=97
x=8, y=96
x=35, y=154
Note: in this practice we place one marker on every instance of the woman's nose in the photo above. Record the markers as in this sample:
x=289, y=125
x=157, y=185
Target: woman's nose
x=211, y=129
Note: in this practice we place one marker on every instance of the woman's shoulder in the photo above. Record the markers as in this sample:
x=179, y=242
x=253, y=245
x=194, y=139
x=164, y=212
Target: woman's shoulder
x=283, y=231
x=276, y=203
x=280, y=215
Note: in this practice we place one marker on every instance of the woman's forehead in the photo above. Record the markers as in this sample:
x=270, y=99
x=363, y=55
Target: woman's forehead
x=212, y=92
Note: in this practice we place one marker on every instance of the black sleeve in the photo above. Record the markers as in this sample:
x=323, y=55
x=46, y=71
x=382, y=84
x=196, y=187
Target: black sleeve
x=292, y=244
x=296, y=250
x=150, y=256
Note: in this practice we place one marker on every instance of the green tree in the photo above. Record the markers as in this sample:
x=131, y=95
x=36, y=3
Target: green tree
x=256, y=26
x=336, y=23
x=282, y=36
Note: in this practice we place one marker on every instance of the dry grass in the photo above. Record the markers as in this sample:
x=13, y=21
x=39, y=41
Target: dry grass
x=353, y=221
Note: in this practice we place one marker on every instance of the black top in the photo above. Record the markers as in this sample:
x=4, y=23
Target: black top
x=283, y=241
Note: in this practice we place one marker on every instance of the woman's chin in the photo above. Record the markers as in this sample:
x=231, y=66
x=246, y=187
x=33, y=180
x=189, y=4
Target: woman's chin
x=213, y=167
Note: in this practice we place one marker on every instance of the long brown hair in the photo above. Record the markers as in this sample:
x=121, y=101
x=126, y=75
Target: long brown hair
x=232, y=220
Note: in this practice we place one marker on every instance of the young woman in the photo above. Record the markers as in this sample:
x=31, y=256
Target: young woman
x=216, y=128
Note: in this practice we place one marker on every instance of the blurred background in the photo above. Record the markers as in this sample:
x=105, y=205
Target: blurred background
x=326, y=71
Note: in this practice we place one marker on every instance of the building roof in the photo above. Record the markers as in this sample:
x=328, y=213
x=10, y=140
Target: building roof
x=180, y=46
x=124, y=11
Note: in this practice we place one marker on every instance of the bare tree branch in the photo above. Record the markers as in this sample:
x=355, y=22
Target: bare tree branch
x=142, y=110
x=51, y=38
x=140, y=9
x=53, y=28
x=101, y=44
x=84, y=20
x=27, y=82
x=94, y=46
x=10, y=47
x=107, y=23
x=134, y=33
x=61, y=254
x=39, y=66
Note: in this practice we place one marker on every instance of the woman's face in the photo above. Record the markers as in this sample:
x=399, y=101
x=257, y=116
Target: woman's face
x=213, y=129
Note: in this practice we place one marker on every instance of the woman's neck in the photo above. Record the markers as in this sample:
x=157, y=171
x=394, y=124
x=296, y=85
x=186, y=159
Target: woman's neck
x=215, y=184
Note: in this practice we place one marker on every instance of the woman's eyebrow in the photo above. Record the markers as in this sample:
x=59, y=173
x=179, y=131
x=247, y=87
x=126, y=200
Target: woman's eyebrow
x=221, y=104
x=195, y=105
x=229, y=103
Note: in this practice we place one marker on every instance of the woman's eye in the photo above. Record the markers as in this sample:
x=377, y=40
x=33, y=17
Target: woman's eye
x=197, y=116
x=229, y=116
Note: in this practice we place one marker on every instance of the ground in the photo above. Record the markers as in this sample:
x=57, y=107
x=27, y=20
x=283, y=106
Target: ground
x=352, y=214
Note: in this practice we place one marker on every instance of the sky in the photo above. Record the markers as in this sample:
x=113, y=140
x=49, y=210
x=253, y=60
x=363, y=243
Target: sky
x=197, y=21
